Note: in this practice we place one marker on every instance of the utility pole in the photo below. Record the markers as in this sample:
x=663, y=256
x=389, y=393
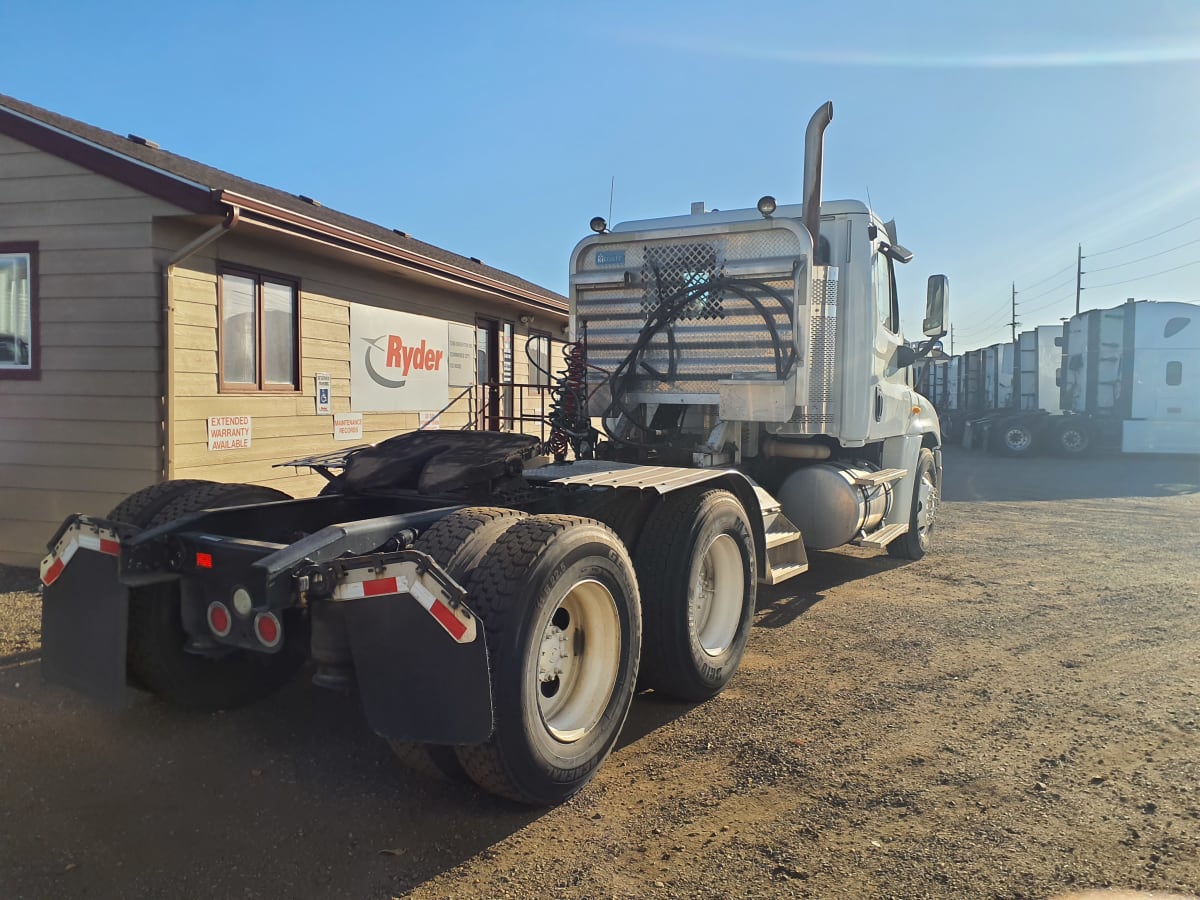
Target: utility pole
x=1078, y=277
x=951, y=338
x=1014, y=323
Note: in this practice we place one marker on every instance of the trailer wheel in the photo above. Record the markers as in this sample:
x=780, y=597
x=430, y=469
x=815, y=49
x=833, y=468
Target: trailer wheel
x=915, y=543
x=1015, y=438
x=456, y=543
x=698, y=577
x=1071, y=438
x=559, y=603
x=157, y=659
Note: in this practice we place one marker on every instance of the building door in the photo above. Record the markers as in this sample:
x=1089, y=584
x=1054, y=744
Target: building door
x=487, y=372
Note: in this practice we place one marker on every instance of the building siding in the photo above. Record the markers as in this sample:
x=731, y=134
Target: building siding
x=286, y=426
x=87, y=432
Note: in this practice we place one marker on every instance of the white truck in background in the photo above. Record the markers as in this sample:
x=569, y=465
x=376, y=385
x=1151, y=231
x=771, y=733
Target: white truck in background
x=1121, y=379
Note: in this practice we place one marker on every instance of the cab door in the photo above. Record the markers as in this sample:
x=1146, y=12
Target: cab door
x=891, y=394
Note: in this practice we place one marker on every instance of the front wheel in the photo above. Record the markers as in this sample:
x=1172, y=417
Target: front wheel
x=697, y=572
x=559, y=603
x=915, y=543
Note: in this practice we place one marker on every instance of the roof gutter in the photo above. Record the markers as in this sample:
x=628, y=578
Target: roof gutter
x=184, y=253
x=337, y=236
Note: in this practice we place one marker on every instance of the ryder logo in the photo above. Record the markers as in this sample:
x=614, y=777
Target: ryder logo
x=399, y=359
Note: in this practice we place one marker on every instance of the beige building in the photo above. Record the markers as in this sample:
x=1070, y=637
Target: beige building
x=160, y=318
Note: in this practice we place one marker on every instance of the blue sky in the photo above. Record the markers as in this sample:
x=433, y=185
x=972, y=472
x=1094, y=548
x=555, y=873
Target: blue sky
x=999, y=136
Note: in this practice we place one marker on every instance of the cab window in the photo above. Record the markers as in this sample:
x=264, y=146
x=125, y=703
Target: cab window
x=886, y=309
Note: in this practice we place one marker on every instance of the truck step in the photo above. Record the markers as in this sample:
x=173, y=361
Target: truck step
x=786, y=555
x=783, y=573
x=880, y=538
x=768, y=504
x=883, y=476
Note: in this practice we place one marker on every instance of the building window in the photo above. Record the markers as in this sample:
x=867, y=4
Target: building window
x=259, y=332
x=18, y=311
x=538, y=351
x=1174, y=374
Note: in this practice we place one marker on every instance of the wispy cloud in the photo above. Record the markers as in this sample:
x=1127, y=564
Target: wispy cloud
x=934, y=58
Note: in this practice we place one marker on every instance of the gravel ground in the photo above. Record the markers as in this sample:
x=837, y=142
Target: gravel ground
x=1018, y=715
x=20, y=611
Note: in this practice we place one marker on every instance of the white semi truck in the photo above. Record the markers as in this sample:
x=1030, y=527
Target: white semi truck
x=1123, y=378
x=494, y=600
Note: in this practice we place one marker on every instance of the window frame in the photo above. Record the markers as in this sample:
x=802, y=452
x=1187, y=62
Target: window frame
x=1174, y=370
x=260, y=386
x=892, y=326
x=534, y=374
x=34, y=372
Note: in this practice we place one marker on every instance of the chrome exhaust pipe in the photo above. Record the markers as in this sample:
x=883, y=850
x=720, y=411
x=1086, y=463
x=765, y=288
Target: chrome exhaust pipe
x=814, y=149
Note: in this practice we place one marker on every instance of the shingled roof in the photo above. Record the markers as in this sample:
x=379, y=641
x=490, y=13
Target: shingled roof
x=200, y=188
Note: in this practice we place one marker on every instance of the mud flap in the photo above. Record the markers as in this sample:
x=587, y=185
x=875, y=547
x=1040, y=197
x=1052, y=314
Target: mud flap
x=418, y=683
x=85, y=614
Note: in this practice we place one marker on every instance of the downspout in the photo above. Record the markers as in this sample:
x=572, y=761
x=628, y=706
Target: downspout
x=168, y=398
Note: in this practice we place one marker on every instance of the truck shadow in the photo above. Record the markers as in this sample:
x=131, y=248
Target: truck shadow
x=301, y=775
x=975, y=477
x=782, y=604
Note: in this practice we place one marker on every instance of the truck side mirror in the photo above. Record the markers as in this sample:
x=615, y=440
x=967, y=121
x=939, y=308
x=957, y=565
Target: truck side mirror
x=905, y=356
x=937, y=299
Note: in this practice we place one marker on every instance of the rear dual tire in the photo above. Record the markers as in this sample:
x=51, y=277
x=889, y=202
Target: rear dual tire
x=558, y=599
x=156, y=657
x=698, y=575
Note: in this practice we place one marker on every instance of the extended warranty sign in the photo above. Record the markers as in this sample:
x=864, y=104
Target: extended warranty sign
x=373, y=344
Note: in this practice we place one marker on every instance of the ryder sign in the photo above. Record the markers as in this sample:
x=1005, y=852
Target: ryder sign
x=398, y=361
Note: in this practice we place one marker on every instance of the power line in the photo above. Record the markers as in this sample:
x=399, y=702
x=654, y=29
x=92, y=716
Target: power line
x=1052, y=289
x=1047, y=278
x=1149, y=237
x=1050, y=304
x=1194, y=262
x=1144, y=258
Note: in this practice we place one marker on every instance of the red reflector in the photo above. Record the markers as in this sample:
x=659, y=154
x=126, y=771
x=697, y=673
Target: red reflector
x=267, y=628
x=219, y=620
x=204, y=560
x=56, y=569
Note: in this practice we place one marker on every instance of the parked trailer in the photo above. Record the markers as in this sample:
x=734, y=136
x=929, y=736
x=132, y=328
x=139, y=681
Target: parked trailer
x=1122, y=379
x=495, y=601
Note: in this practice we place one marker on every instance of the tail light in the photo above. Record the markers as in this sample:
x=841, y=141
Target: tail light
x=220, y=621
x=268, y=629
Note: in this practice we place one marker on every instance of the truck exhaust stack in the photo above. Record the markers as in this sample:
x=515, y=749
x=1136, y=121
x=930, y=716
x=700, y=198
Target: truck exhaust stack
x=814, y=143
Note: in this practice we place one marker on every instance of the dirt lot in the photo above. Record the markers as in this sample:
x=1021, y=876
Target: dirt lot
x=1016, y=716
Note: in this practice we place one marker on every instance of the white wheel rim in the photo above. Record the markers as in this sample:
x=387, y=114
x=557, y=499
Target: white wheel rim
x=717, y=591
x=578, y=660
x=927, y=500
x=1017, y=438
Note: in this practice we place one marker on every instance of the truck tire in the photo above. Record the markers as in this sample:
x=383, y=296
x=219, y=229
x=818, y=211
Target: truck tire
x=1014, y=437
x=559, y=602
x=915, y=543
x=1071, y=438
x=698, y=578
x=456, y=543
x=156, y=656
x=142, y=506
